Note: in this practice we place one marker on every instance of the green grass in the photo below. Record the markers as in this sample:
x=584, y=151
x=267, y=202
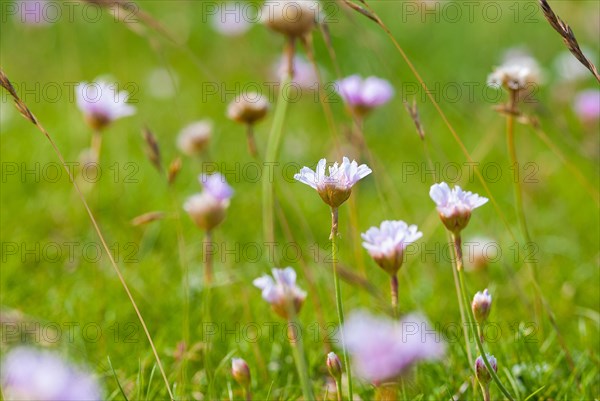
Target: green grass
x=74, y=289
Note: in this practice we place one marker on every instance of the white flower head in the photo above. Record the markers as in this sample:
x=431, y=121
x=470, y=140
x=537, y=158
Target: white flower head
x=455, y=205
x=248, y=108
x=293, y=18
x=207, y=209
x=281, y=291
x=101, y=103
x=387, y=242
x=336, y=187
x=518, y=72
x=194, y=137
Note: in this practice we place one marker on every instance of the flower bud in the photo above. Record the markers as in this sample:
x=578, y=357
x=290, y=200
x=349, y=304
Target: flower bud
x=482, y=303
x=248, y=108
x=194, y=138
x=334, y=365
x=205, y=210
x=481, y=371
x=289, y=17
x=240, y=372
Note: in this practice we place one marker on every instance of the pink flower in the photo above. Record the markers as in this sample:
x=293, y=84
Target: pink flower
x=216, y=185
x=207, y=209
x=281, y=291
x=101, y=103
x=481, y=305
x=455, y=205
x=386, y=243
x=336, y=187
x=587, y=105
x=36, y=12
x=383, y=349
x=230, y=19
x=363, y=95
x=304, y=73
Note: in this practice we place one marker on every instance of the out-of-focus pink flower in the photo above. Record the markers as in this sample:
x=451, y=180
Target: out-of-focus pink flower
x=29, y=374
x=36, y=12
x=481, y=305
x=587, y=105
x=194, y=138
x=101, y=103
x=304, y=73
x=232, y=19
x=216, y=185
x=384, y=349
x=386, y=243
x=281, y=291
x=207, y=209
x=455, y=205
x=363, y=95
x=240, y=371
x=336, y=187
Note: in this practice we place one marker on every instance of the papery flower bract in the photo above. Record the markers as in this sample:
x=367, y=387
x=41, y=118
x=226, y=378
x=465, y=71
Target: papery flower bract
x=207, y=209
x=481, y=371
x=518, y=71
x=281, y=291
x=384, y=349
x=387, y=242
x=30, y=374
x=587, y=105
x=248, y=108
x=240, y=372
x=230, y=19
x=455, y=205
x=336, y=187
x=363, y=95
x=101, y=103
x=481, y=305
x=293, y=18
x=194, y=137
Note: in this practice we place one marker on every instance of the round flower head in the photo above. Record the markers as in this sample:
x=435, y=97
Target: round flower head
x=207, y=209
x=383, y=349
x=518, y=72
x=334, y=365
x=336, y=187
x=194, y=137
x=386, y=243
x=481, y=305
x=481, y=371
x=240, y=372
x=248, y=108
x=289, y=17
x=363, y=95
x=230, y=19
x=304, y=73
x=29, y=374
x=281, y=291
x=480, y=251
x=101, y=103
x=455, y=205
x=587, y=105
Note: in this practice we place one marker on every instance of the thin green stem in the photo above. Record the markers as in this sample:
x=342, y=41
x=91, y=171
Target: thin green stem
x=338, y=388
x=208, y=259
x=394, y=291
x=338, y=296
x=271, y=157
x=472, y=322
x=251, y=141
x=298, y=350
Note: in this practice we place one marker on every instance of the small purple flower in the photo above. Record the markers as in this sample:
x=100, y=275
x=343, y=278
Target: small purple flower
x=35, y=12
x=304, y=73
x=230, y=19
x=455, y=205
x=336, y=187
x=216, y=185
x=384, y=349
x=481, y=305
x=101, y=103
x=482, y=372
x=363, y=95
x=29, y=374
x=334, y=365
x=386, y=243
x=281, y=291
x=587, y=105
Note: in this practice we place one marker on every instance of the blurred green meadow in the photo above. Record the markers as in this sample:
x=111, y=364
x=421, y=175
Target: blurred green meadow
x=59, y=291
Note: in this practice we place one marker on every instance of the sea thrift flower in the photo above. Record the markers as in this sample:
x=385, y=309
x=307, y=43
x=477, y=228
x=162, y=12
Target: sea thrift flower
x=481, y=305
x=363, y=95
x=34, y=12
x=516, y=74
x=481, y=371
x=386, y=243
x=29, y=374
x=289, y=17
x=240, y=372
x=207, y=209
x=334, y=365
x=101, y=103
x=480, y=251
x=383, y=349
x=455, y=205
x=194, y=138
x=230, y=19
x=336, y=187
x=281, y=291
x=587, y=105
x=248, y=108
x=304, y=73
